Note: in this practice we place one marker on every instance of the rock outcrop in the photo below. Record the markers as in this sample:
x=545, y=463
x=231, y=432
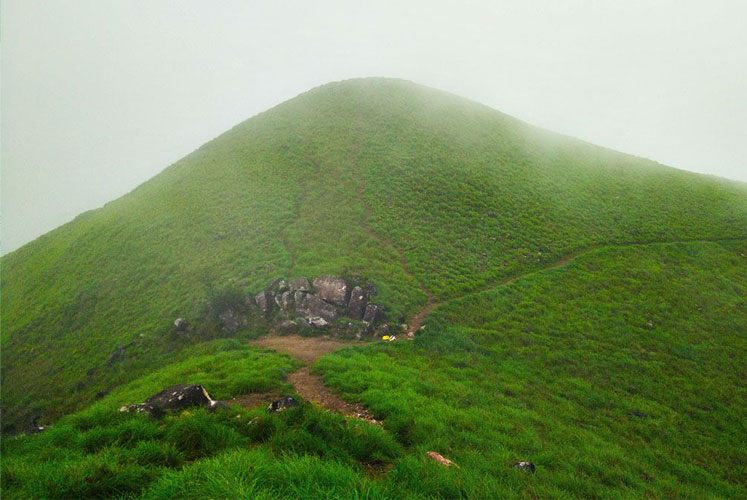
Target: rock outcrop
x=300, y=285
x=178, y=397
x=277, y=286
x=371, y=315
x=175, y=398
x=296, y=303
x=293, y=304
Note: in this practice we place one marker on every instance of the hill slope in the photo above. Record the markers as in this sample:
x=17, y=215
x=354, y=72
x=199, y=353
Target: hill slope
x=428, y=195
x=618, y=374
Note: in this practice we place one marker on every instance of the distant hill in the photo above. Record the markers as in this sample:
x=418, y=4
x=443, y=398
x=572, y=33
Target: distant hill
x=429, y=196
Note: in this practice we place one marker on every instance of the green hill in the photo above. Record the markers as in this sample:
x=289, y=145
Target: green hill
x=436, y=200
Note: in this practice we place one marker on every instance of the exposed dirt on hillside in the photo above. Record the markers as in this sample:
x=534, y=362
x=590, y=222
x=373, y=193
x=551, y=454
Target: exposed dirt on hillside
x=306, y=349
x=311, y=387
x=419, y=318
x=256, y=399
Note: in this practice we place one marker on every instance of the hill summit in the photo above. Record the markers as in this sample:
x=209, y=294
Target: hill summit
x=422, y=192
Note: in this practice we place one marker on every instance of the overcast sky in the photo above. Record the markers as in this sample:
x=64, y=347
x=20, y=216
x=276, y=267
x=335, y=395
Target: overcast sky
x=100, y=95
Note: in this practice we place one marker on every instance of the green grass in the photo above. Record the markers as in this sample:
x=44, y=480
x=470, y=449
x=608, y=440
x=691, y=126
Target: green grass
x=420, y=192
x=619, y=376
x=101, y=452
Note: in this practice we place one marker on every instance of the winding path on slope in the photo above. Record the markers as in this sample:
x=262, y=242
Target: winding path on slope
x=419, y=318
x=311, y=387
x=308, y=349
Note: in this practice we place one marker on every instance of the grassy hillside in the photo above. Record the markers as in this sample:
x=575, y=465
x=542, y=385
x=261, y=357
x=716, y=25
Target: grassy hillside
x=422, y=192
x=617, y=372
x=622, y=374
x=619, y=375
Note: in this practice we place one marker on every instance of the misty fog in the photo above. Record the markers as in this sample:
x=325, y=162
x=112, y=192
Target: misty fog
x=99, y=96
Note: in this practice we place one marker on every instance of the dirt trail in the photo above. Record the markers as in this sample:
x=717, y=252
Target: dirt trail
x=306, y=349
x=311, y=387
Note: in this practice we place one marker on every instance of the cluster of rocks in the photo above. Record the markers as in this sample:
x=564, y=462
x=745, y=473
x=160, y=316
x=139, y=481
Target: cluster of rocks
x=175, y=398
x=317, y=304
x=294, y=304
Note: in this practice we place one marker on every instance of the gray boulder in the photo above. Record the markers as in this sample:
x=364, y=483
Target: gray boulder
x=372, y=314
x=179, y=397
x=264, y=301
x=300, y=285
x=357, y=303
x=285, y=301
x=176, y=397
x=525, y=466
x=277, y=286
x=154, y=411
x=333, y=290
x=287, y=326
x=314, y=306
x=299, y=298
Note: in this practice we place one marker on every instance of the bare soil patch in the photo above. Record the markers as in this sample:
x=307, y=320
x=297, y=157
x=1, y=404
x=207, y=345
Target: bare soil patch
x=256, y=399
x=306, y=349
x=309, y=386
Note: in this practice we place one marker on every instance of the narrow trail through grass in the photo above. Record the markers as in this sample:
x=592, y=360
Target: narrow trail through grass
x=420, y=317
x=311, y=387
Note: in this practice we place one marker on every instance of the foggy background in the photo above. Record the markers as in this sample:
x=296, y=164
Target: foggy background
x=100, y=95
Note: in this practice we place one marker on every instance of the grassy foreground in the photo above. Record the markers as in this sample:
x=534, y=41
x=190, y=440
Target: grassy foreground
x=619, y=375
